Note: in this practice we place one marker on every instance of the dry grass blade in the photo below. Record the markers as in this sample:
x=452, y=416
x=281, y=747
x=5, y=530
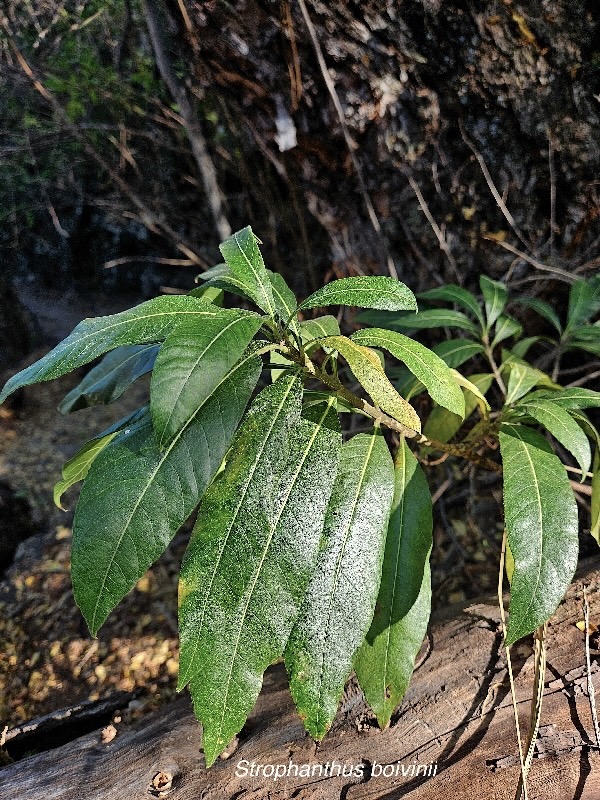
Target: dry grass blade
x=590, y=685
x=536, y=707
x=523, y=779
x=436, y=228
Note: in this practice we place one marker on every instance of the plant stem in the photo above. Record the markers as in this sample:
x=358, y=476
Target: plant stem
x=462, y=449
x=556, y=368
x=490, y=357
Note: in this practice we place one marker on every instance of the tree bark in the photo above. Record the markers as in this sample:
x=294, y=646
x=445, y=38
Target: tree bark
x=472, y=128
x=456, y=716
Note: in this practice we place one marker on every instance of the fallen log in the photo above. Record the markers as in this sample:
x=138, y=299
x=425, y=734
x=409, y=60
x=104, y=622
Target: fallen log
x=453, y=736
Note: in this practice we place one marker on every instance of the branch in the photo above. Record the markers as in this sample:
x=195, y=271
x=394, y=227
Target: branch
x=347, y=138
x=462, y=449
x=206, y=168
x=566, y=276
x=147, y=216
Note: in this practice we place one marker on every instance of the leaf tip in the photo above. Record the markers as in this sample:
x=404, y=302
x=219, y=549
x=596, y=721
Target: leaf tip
x=383, y=718
x=6, y=391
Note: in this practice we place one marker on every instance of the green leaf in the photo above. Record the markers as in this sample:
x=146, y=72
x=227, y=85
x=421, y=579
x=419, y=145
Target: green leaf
x=319, y=328
x=221, y=279
x=422, y=362
x=213, y=273
x=522, y=347
x=587, y=333
x=495, y=296
x=456, y=294
x=386, y=660
x=455, y=352
x=209, y=294
x=340, y=599
x=277, y=360
x=406, y=383
x=586, y=425
x=284, y=299
x=561, y=425
x=193, y=360
x=366, y=368
x=106, y=382
x=542, y=308
x=311, y=398
x=541, y=522
x=443, y=424
x=148, y=322
x=247, y=268
x=595, y=521
x=251, y=555
x=522, y=379
x=568, y=399
x=586, y=337
x=77, y=467
x=475, y=392
x=135, y=497
x=584, y=302
x=505, y=328
x=380, y=292
x=127, y=421
x=589, y=347
x=433, y=318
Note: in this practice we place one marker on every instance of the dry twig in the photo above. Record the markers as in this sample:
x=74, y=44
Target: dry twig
x=590, y=685
x=492, y=187
x=444, y=246
x=513, y=695
x=347, y=138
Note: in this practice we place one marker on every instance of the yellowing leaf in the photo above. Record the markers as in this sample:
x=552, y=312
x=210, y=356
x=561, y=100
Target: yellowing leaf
x=475, y=390
x=76, y=468
x=366, y=368
x=591, y=628
x=429, y=368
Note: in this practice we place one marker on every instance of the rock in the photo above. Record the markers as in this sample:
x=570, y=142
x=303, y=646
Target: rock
x=16, y=523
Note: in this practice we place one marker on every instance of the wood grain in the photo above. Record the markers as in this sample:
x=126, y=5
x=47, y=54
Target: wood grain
x=457, y=714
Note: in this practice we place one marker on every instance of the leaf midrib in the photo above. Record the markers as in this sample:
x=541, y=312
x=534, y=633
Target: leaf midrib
x=540, y=521
x=261, y=285
x=266, y=549
x=388, y=629
x=82, y=340
x=184, y=679
x=201, y=355
x=338, y=567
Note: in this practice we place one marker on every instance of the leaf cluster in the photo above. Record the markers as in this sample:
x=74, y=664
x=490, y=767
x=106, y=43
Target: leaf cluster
x=312, y=545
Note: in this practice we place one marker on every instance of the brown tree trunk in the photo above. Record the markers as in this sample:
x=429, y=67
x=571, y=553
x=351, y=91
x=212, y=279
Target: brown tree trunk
x=462, y=127
x=457, y=716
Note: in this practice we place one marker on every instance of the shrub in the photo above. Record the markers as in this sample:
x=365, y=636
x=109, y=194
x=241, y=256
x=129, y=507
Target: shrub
x=306, y=546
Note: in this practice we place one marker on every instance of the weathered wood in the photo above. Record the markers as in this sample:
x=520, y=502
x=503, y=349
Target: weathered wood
x=457, y=714
x=59, y=727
